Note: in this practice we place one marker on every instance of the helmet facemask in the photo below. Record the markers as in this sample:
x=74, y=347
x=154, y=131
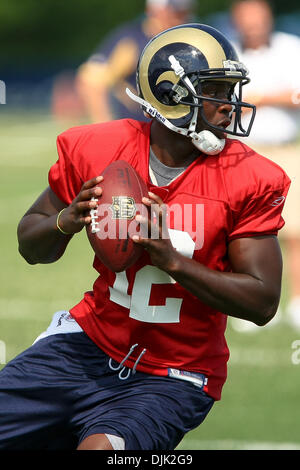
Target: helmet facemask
x=238, y=128
x=171, y=72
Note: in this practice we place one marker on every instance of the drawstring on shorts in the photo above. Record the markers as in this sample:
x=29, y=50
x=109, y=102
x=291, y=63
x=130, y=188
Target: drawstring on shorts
x=120, y=366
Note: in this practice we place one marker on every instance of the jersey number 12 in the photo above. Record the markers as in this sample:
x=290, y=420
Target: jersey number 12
x=138, y=301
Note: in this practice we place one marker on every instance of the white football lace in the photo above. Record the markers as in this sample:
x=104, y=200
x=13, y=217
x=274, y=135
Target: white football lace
x=94, y=217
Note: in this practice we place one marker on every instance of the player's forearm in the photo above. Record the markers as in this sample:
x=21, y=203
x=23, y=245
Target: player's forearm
x=287, y=99
x=39, y=239
x=97, y=106
x=96, y=102
x=238, y=295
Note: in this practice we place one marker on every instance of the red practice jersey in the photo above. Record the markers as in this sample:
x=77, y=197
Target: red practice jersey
x=235, y=194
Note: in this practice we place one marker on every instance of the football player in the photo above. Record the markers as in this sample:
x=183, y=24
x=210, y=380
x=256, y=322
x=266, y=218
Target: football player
x=141, y=359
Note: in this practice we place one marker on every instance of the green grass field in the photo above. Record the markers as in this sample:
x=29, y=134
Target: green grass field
x=260, y=405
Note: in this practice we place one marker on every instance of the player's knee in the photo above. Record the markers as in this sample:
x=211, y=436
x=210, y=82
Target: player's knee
x=102, y=442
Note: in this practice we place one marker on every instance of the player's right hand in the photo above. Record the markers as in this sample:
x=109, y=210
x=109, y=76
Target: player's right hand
x=77, y=215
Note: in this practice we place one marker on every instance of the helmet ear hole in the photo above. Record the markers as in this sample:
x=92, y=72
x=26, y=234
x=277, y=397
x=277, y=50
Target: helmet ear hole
x=164, y=93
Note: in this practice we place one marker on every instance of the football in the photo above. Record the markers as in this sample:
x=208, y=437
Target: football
x=113, y=221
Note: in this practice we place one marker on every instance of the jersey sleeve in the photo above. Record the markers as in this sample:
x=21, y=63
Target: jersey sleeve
x=261, y=212
x=85, y=151
x=64, y=177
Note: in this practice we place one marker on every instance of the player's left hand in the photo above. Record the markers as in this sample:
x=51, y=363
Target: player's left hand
x=158, y=244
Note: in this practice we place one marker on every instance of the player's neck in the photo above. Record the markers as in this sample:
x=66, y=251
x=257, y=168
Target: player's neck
x=170, y=148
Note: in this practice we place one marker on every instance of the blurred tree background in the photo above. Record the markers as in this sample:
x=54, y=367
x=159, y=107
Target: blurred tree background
x=41, y=38
x=34, y=32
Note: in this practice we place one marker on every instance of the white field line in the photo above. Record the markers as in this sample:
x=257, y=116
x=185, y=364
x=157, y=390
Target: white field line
x=32, y=309
x=260, y=357
x=27, y=151
x=24, y=143
x=231, y=444
x=37, y=309
x=11, y=126
x=21, y=309
x=20, y=204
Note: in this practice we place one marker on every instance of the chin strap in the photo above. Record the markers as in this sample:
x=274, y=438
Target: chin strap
x=205, y=141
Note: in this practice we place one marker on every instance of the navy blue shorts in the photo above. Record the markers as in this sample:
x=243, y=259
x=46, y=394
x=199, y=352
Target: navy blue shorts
x=61, y=390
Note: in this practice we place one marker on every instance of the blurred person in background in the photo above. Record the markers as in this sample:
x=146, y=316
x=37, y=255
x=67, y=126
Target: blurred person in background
x=273, y=60
x=101, y=81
